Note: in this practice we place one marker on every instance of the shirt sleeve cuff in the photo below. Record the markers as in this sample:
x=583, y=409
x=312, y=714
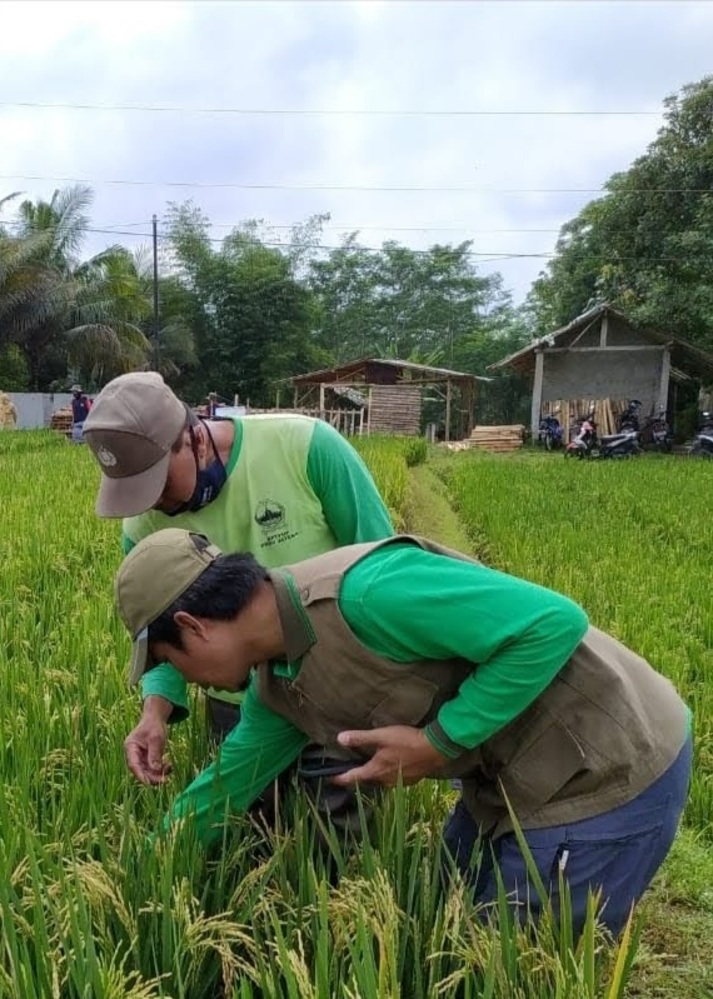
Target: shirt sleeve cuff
x=440, y=741
x=164, y=681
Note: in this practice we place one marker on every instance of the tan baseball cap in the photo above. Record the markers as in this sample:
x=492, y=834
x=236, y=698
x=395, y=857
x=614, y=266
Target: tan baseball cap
x=133, y=423
x=152, y=576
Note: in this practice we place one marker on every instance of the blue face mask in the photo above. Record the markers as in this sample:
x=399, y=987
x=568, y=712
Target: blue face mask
x=209, y=481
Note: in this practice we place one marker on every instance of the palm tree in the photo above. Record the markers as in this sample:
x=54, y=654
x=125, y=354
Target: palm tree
x=64, y=218
x=31, y=293
x=91, y=317
x=98, y=329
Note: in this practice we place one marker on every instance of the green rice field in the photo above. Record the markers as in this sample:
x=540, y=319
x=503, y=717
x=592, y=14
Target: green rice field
x=90, y=908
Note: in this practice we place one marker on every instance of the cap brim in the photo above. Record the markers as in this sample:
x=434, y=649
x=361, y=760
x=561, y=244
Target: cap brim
x=132, y=494
x=139, y=657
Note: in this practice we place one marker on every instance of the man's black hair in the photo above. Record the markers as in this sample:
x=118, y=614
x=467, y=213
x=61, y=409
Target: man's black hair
x=220, y=593
x=190, y=422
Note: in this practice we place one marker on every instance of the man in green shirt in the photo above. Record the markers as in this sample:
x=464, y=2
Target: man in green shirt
x=284, y=487
x=422, y=663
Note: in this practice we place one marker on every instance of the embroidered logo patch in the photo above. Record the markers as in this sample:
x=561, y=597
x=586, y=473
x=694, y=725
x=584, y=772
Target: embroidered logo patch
x=106, y=457
x=269, y=515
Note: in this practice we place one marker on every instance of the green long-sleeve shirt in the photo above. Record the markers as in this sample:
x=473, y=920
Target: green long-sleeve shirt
x=407, y=604
x=295, y=488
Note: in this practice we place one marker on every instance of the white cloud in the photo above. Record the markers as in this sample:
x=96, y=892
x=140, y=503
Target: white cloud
x=346, y=56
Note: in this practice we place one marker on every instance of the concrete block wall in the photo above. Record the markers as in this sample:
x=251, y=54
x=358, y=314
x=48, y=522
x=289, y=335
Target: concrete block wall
x=35, y=409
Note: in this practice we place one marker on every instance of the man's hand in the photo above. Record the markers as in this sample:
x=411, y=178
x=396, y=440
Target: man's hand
x=144, y=747
x=398, y=752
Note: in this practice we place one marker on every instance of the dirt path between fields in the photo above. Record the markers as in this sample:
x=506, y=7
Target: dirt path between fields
x=430, y=512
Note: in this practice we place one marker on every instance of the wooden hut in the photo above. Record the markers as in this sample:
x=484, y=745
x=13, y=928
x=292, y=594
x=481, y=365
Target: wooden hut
x=388, y=394
x=600, y=360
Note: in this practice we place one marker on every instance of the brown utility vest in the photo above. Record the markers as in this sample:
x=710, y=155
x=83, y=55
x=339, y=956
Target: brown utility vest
x=606, y=727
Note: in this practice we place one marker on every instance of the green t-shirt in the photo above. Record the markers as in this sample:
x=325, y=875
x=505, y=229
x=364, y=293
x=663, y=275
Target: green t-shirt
x=408, y=604
x=295, y=488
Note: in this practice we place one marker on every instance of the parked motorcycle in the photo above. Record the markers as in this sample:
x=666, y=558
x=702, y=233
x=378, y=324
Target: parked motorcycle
x=629, y=419
x=586, y=444
x=702, y=446
x=583, y=440
x=625, y=444
x=550, y=433
x=656, y=435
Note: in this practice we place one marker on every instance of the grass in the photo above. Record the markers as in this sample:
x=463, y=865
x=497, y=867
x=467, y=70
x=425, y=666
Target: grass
x=88, y=909
x=631, y=542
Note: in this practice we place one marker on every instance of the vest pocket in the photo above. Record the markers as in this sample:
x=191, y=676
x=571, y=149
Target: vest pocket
x=542, y=769
x=409, y=703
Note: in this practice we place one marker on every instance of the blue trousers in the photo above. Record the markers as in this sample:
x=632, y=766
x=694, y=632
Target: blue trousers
x=618, y=852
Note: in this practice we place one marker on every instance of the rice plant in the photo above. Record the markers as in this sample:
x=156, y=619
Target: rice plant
x=90, y=908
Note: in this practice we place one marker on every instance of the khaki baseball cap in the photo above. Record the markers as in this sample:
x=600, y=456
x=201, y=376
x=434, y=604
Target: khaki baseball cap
x=133, y=423
x=152, y=576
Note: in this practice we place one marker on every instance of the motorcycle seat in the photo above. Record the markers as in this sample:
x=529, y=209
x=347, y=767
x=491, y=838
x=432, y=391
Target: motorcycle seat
x=609, y=438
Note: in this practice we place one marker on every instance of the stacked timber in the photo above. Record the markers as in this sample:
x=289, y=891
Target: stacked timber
x=501, y=440
x=568, y=411
x=61, y=421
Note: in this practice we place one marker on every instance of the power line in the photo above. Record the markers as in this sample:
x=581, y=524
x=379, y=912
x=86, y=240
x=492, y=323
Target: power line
x=124, y=229
x=416, y=189
x=285, y=245
x=326, y=112
x=483, y=256
x=335, y=227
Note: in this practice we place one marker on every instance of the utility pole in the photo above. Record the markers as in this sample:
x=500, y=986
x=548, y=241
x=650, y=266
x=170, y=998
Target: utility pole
x=155, y=293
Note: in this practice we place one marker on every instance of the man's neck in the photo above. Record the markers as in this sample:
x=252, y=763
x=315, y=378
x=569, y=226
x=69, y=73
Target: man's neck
x=264, y=624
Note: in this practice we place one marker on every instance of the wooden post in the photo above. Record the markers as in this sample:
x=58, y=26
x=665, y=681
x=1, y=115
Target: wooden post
x=277, y=398
x=368, y=412
x=663, y=384
x=321, y=400
x=448, y=410
x=469, y=390
x=361, y=421
x=294, y=398
x=537, y=393
x=603, y=330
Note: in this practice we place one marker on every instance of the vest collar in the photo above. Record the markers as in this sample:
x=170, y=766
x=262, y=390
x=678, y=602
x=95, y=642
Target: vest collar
x=296, y=626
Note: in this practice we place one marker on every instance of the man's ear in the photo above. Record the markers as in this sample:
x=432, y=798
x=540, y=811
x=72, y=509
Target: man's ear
x=188, y=624
x=201, y=441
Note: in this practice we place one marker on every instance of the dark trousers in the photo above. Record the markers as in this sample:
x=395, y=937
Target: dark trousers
x=618, y=852
x=221, y=717
x=344, y=808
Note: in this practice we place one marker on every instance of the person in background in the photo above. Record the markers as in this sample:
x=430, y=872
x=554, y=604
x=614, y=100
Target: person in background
x=81, y=406
x=284, y=487
x=423, y=663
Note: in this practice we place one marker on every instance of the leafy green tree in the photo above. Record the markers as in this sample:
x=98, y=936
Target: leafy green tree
x=256, y=318
x=399, y=302
x=647, y=245
x=14, y=376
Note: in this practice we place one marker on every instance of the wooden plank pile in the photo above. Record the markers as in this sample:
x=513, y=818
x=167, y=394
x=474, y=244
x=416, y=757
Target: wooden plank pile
x=568, y=411
x=500, y=440
x=61, y=421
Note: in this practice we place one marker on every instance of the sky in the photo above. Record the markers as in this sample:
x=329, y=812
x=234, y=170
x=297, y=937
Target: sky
x=423, y=122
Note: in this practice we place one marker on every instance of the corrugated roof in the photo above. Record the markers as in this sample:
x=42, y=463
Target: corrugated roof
x=424, y=369
x=693, y=354
x=351, y=394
